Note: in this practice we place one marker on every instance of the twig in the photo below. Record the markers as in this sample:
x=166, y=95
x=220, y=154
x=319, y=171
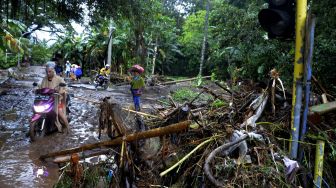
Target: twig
x=226, y=89
x=272, y=152
x=196, y=97
x=172, y=101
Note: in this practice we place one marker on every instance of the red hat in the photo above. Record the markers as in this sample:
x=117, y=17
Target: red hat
x=136, y=68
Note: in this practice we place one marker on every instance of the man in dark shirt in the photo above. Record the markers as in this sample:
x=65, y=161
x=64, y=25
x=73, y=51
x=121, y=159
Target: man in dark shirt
x=59, y=69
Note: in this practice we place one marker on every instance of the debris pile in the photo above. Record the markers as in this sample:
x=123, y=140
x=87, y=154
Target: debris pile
x=221, y=137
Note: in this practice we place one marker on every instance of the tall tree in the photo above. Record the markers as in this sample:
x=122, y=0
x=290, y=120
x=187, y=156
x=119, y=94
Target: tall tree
x=205, y=37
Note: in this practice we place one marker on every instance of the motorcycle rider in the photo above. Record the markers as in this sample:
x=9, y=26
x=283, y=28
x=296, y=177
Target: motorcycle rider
x=105, y=71
x=52, y=81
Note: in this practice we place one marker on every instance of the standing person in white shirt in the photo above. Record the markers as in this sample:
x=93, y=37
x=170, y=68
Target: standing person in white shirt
x=67, y=68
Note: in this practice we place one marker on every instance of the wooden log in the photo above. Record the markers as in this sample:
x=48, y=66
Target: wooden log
x=110, y=118
x=184, y=80
x=178, y=127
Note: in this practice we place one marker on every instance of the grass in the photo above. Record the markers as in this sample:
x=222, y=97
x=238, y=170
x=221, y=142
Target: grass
x=185, y=94
x=218, y=103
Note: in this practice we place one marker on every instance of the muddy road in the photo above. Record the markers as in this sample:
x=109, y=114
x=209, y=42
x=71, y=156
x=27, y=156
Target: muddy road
x=19, y=163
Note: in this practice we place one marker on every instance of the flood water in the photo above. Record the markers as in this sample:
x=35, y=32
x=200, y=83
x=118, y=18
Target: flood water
x=19, y=160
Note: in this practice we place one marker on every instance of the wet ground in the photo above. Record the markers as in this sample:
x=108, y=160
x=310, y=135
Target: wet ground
x=19, y=163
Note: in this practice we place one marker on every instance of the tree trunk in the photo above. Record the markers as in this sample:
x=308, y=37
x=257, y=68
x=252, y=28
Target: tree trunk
x=154, y=55
x=1, y=10
x=14, y=8
x=205, y=37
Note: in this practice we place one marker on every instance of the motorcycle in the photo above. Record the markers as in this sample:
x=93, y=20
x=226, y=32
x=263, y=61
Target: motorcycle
x=44, y=118
x=101, y=81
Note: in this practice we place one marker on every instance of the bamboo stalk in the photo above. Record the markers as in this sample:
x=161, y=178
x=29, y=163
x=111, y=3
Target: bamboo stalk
x=188, y=155
x=177, y=127
x=140, y=113
x=184, y=80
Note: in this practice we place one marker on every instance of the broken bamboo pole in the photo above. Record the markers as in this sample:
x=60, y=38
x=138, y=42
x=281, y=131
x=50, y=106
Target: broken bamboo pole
x=188, y=155
x=177, y=127
x=140, y=113
x=184, y=80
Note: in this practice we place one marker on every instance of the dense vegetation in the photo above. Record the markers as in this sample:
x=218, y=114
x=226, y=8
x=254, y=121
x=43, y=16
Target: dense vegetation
x=167, y=34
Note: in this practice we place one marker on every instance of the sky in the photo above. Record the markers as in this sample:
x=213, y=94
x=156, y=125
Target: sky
x=44, y=35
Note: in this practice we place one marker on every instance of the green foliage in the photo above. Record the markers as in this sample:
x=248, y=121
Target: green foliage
x=9, y=61
x=184, y=94
x=40, y=54
x=325, y=43
x=218, y=103
x=191, y=40
x=11, y=38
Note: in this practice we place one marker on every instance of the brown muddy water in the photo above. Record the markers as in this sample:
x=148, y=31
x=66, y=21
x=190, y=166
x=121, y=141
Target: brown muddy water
x=19, y=158
x=19, y=161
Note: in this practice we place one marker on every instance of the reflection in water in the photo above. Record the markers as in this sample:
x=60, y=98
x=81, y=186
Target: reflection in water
x=17, y=169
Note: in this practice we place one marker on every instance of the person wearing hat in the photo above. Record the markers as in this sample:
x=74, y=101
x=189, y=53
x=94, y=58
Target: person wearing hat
x=105, y=71
x=52, y=81
x=137, y=85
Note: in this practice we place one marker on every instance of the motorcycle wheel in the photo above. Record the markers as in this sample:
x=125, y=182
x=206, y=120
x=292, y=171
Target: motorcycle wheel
x=34, y=131
x=105, y=86
x=95, y=84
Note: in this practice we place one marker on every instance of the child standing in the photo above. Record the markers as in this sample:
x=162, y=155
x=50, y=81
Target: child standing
x=137, y=85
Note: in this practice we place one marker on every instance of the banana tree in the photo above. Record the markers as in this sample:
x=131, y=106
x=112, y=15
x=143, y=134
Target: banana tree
x=12, y=40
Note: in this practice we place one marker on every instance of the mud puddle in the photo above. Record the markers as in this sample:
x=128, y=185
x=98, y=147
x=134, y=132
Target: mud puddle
x=19, y=163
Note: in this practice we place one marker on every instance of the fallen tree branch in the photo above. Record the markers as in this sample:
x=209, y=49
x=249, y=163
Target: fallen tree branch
x=258, y=105
x=177, y=127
